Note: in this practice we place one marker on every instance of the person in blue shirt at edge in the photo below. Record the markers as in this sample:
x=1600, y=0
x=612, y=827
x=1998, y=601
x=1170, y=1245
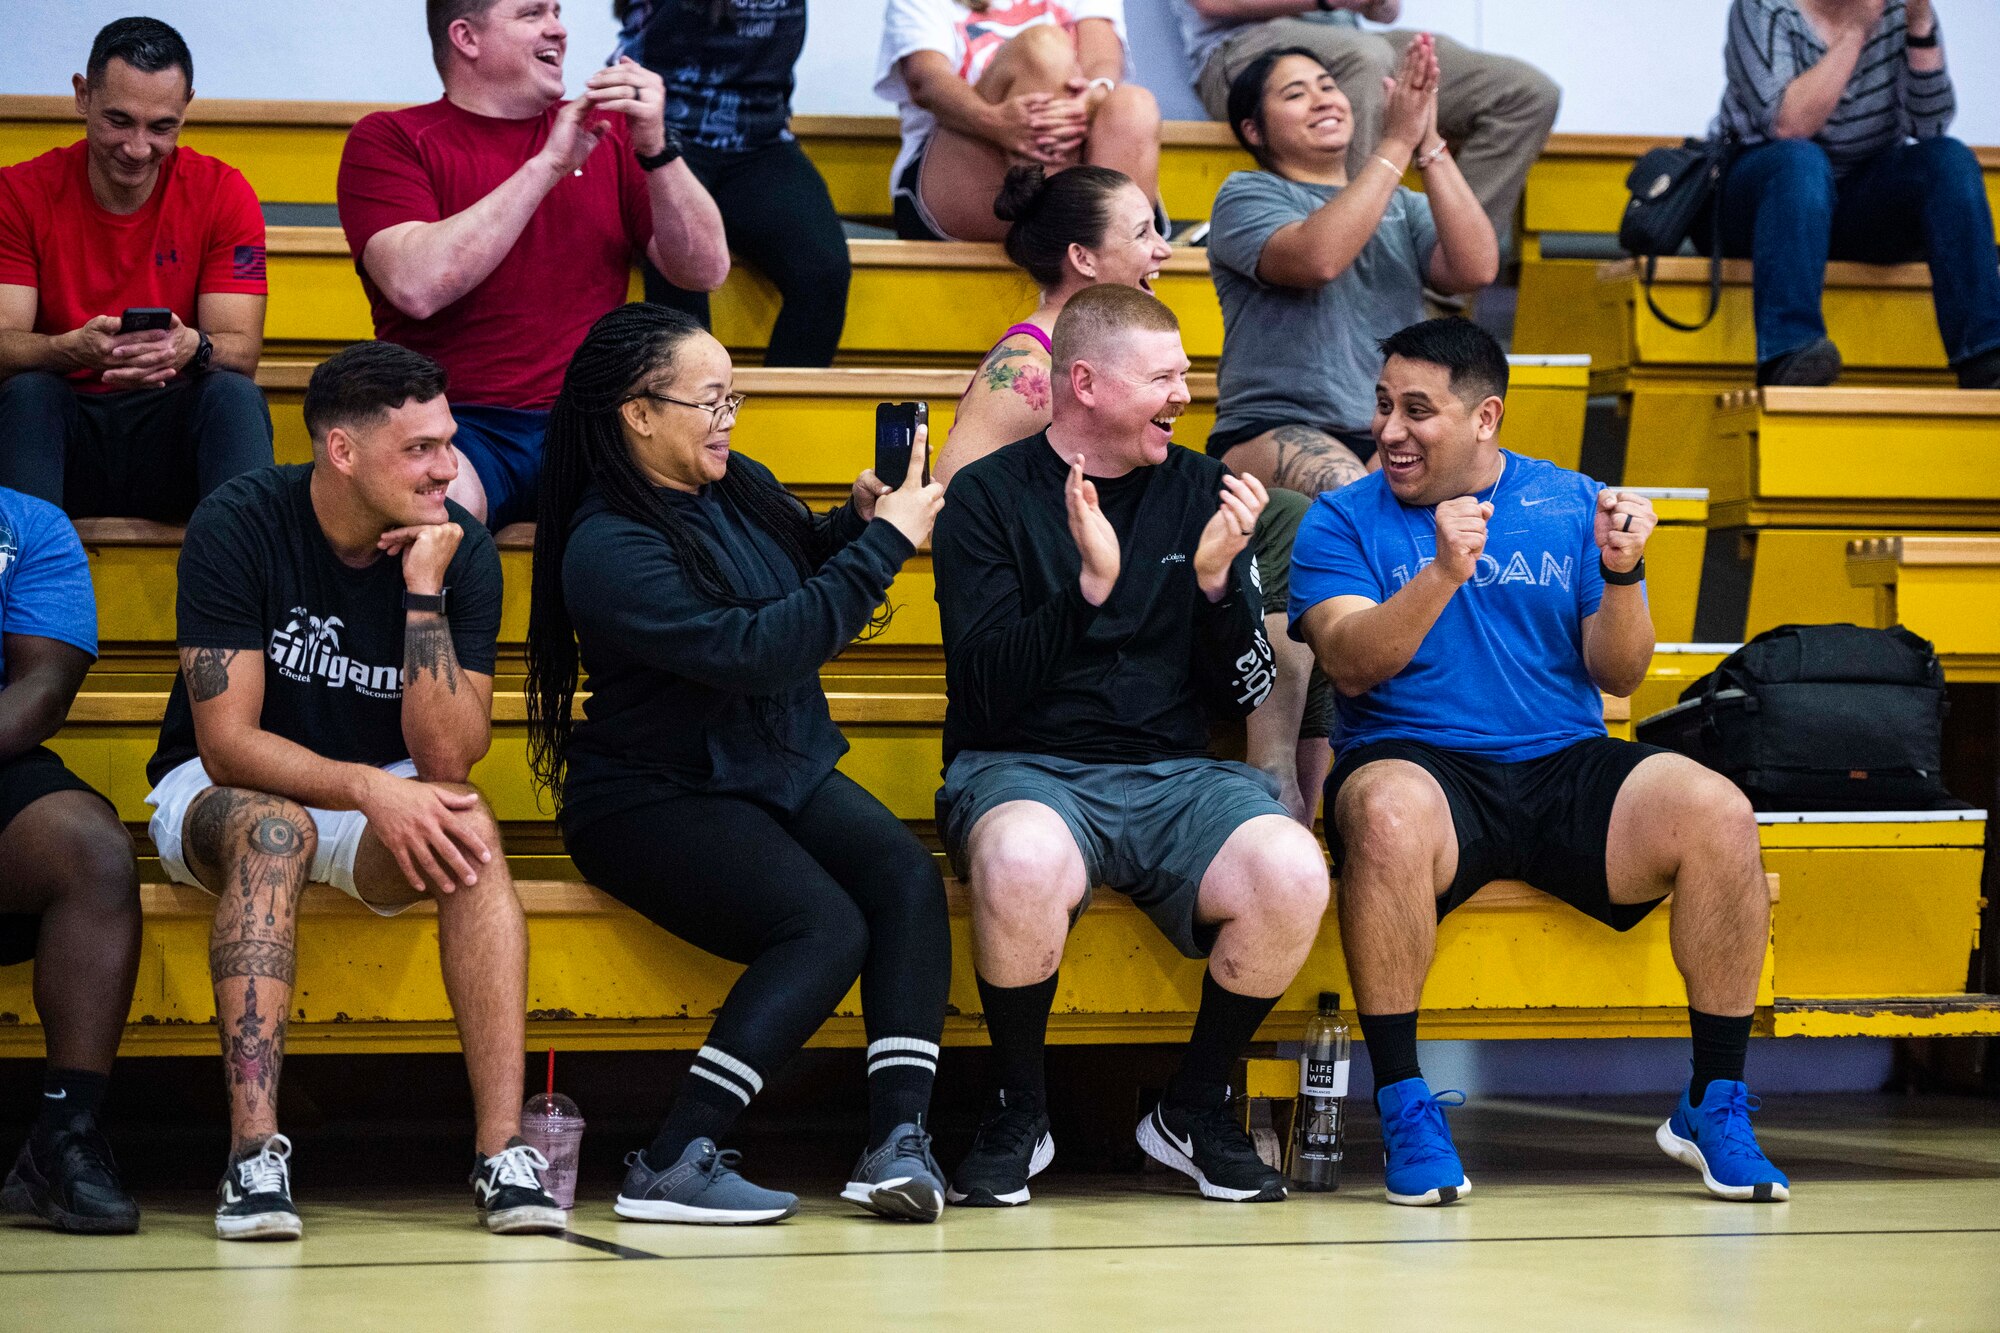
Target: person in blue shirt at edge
x=1469, y=603
x=69, y=888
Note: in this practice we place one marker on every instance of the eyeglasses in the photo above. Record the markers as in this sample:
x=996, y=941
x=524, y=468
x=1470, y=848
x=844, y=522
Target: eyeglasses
x=718, y=413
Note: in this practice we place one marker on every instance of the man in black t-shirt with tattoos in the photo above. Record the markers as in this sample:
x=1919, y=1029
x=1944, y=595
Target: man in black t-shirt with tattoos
x=337, y=625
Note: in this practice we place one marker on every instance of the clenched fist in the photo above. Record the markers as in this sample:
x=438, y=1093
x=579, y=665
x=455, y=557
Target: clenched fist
x=1461, y=536
x=1625, y=519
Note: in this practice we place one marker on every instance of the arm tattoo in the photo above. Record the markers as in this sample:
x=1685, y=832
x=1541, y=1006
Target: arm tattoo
x=427, y=646
x=207, y=671
x=1004, y=370
x=1312, y=462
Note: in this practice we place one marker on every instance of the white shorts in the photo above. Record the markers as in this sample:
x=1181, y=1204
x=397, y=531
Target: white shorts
x=339, y=831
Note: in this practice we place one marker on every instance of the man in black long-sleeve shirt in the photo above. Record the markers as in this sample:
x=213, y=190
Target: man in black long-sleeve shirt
x=1100, y=605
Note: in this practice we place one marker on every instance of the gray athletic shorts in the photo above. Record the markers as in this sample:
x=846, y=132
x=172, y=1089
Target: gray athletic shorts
x=1147, y=830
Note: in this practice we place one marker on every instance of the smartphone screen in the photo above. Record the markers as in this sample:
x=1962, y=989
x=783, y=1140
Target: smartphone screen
x=145, y=319
x=895, y=436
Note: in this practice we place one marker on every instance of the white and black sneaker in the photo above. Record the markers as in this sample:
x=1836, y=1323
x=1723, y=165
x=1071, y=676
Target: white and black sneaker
x=256, y=1196
x=1206, y=1143
x=507, y=1190
x=1012, y=1144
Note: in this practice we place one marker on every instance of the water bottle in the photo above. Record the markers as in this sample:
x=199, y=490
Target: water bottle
x=1319, y=1122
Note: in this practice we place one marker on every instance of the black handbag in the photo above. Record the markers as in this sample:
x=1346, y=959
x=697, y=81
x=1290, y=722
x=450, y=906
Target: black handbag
x=1819, y=717
x=1674, y=190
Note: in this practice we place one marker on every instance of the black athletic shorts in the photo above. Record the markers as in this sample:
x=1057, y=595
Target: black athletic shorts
x=23, y=781
x=1543, y=820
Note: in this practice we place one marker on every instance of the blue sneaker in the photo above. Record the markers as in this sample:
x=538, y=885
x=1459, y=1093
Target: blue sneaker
x=1418, y=1160
x=1715, y=1139
x=900, y=1179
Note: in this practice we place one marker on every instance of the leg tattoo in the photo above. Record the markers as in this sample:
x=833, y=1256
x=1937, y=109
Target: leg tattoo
x=1312, y=462
x=251, y=1056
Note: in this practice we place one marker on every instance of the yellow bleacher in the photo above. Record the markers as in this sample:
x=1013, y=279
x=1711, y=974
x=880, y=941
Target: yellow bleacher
x=1870, y=933
x=1796, y=474
x=1946, y=588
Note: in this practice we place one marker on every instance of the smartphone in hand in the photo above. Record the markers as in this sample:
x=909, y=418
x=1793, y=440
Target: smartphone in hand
x=145, y=319
x=895, y=436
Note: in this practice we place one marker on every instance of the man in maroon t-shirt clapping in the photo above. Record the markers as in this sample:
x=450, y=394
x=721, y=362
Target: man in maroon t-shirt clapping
x=493, y=226
x=135, y=417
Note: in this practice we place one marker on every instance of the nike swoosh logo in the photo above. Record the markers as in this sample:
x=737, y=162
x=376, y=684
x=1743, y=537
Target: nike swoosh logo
x=1186, y=1145
x=56, y=1096
x=1530, y=504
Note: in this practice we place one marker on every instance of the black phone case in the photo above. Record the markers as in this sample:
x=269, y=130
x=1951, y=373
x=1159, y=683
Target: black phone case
x=895, y=435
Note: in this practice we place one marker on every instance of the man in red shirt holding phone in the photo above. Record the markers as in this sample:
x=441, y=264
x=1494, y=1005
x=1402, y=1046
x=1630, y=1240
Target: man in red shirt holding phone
x=131, y=299
x=494, y=226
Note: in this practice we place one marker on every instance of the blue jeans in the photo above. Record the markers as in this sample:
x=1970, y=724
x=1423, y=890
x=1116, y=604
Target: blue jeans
x=1785, y=210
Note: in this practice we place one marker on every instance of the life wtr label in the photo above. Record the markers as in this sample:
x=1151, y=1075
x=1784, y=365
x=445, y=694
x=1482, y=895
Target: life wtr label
x=1322, y=1078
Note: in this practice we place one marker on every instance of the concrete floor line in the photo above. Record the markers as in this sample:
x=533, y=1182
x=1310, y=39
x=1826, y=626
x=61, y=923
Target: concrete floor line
x=934, y=1252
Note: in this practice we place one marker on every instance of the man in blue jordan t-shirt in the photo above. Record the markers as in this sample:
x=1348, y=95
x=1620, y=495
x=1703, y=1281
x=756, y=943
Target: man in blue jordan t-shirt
x=1468, y=604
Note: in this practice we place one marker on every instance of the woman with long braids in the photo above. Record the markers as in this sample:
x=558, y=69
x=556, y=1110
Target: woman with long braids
x=699, y=787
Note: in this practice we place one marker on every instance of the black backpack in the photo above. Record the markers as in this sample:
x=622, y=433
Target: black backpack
x=1677, y=193
x=1819, y=717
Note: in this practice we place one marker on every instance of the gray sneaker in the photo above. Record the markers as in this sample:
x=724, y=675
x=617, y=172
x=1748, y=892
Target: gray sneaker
x=702, y=1187
x=900, y=1179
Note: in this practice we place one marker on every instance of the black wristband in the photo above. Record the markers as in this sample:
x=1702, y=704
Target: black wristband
x=419, y=601
x=671, y=152
x=1637, y=574
x=1917, y=43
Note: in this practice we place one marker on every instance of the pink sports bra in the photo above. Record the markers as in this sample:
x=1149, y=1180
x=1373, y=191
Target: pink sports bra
x=1033, y=331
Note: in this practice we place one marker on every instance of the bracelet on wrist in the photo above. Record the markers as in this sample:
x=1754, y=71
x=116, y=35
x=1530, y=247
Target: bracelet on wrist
x=1636, y=574
x=1394, y=169
x=1424, y=161
x=1101, y=82
x=1923, y=43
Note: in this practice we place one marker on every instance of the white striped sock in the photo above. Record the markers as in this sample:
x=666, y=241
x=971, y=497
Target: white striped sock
x=887, y=1062
x=714, y=1077
x=884, y=1045
x=723, y=1060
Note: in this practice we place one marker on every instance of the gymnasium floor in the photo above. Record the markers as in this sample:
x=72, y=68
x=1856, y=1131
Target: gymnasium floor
x=1576, y=1222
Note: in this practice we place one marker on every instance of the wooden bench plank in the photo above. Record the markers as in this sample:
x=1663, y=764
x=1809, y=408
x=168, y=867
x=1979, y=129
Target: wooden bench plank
x=1946, y=588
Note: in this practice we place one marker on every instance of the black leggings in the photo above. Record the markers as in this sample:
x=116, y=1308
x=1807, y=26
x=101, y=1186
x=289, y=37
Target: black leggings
x=779, y=219
x=807, y=903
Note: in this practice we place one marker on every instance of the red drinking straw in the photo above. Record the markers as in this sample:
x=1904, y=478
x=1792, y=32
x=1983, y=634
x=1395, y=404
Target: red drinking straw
x=552, y=1071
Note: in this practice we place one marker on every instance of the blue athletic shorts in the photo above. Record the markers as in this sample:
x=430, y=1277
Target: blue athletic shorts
x=505, y=446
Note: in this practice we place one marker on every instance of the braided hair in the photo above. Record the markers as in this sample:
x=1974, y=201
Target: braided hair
x=586, y=447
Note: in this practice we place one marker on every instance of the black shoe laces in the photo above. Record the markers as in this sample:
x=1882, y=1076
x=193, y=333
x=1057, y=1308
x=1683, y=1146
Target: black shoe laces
x=1004, y=1131
x=1217, y=1135
x=85, y=1156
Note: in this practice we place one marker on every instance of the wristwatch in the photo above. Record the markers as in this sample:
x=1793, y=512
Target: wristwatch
x=419, y=601
x=204, y=352
x=1636, y=574
x=669, y=152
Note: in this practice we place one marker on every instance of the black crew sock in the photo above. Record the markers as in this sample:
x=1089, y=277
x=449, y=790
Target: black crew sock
x=901, y=1071
x=1392, y=1047
x=66, y=1094
x=1719, y=1047
x=1017, y=1024
x=717, y=1088
x=1222, y=1028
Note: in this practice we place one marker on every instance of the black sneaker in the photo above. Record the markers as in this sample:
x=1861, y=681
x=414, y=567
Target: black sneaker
x=507, y=1189
x=69, y=1180
x=1812, y=366
x=1012, y=1144
x=1205, y=1142
x=256, y=1196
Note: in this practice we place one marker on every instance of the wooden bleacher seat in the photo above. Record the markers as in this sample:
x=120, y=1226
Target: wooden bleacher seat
x=1797, y=474
x=133, y=569
x=1946, y=588
x=816, y=428
x=290, y=151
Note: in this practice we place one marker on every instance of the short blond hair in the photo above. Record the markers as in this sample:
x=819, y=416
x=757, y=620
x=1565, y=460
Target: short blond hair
x=1095, y=317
